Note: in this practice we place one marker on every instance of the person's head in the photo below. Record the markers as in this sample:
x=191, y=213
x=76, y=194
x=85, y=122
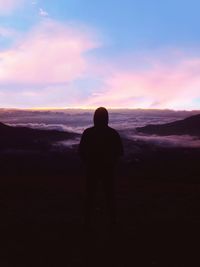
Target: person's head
x=101, y=117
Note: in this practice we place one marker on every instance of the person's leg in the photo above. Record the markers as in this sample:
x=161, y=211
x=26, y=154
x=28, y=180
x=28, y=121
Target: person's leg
x=91, y=184
x=108, y=183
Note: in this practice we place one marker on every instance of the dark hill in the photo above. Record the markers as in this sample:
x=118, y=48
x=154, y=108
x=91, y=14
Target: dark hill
x=26, y=138
x=189, y=126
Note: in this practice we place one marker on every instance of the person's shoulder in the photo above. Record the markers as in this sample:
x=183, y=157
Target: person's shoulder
x=88, y=130
x=113, y=131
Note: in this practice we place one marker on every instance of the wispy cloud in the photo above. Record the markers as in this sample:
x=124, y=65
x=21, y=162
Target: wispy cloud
x=172, y=84
x=39, y=70
x=43, y=13
x=45, y=63
x=50, y=53
x=6, y=32
x=8, y=6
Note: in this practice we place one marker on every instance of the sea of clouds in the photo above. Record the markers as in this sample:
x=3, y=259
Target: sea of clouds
x=125, y=121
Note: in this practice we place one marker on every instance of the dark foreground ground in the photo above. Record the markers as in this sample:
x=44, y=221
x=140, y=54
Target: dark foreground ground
x=158, y=210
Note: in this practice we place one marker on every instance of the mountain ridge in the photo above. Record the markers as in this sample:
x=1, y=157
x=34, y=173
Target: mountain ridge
x=27, y=138
x=187, y=126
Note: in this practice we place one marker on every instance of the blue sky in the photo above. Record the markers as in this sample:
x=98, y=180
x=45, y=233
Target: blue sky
x=126, y=24
x=143, y=50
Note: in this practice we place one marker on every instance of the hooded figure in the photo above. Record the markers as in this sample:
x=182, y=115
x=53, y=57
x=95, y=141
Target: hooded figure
x=100, y=148
x=101, y=117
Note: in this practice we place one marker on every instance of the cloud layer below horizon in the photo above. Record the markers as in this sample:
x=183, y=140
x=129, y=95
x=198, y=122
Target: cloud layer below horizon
x=59, y=64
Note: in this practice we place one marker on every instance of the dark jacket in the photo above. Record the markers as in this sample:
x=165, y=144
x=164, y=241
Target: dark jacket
x=100, y=147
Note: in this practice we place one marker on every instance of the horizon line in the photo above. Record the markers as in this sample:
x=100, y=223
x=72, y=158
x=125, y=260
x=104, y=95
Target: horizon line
x=94, y=108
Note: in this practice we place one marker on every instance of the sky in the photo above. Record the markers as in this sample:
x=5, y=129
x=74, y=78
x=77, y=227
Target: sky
x=90, y=53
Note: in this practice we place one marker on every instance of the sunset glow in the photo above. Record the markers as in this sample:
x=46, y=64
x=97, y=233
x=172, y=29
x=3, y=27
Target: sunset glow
x=53, y=55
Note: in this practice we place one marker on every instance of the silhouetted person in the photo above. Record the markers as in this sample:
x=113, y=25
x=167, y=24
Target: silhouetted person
x=100, y=149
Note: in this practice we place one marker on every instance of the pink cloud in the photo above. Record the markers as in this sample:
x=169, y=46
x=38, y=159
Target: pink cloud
x=174, y=84
x=49, y=53
x=7, y=6
x=8, y=33
x=46, y=61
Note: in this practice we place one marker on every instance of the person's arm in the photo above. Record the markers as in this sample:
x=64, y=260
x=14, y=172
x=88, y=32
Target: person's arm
x=117, y=145
x=120, y=147
x=82, y=147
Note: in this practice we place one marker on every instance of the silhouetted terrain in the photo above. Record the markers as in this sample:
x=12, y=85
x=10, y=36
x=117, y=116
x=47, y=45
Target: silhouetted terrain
x=189, y=126
x=26, y=138
x=42, y=197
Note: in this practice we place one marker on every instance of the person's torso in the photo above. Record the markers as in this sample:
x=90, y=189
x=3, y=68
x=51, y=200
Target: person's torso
x=102, y=146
